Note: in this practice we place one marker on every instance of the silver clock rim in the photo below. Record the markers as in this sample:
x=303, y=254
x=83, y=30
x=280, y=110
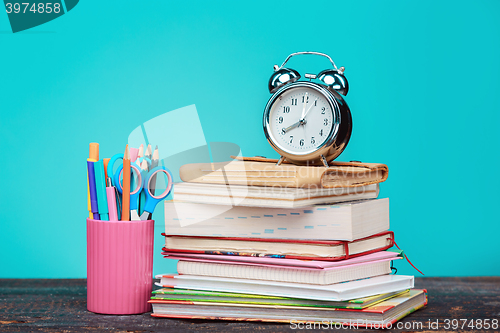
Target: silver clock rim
x=321, y=149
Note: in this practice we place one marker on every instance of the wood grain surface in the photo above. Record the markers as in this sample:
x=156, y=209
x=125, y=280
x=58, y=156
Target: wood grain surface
x=59, y=305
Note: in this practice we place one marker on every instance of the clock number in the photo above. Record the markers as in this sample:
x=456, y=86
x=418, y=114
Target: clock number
x=286, y=109
x=294, y=101
x=280, y=120
x=283, y=131
x=312, y=140
x=307, y=99
x=316, y=103
x=291, y=138
x=301, y=142
x=321, y=132
x=325, y=121
x=322, y=110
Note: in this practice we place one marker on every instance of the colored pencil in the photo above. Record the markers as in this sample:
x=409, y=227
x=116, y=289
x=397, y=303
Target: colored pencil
x=106, y=161
x=148, y=152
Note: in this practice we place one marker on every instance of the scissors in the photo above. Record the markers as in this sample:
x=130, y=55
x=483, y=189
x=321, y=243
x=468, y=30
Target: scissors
x=143, y=183
x=117, y=157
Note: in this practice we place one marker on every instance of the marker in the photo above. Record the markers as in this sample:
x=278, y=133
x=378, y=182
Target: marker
x=126, y=186
x=100, y=184
x=91, y=216
x=110, y=194
x=93, y=157
x=92, y=190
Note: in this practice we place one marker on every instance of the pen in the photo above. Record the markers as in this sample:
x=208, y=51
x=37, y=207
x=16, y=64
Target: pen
x=126, y=186
x=100, y=184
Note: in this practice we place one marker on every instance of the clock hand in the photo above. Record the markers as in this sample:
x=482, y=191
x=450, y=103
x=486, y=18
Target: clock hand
x=297, y=124
x=304, y=107
x=303, y=117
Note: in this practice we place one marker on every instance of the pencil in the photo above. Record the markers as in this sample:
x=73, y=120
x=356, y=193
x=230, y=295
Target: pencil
x=126, y=186
x=141, y=151
x=148, y=152
x=106, y=161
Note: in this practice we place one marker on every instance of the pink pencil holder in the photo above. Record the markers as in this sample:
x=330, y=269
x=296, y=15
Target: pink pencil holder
x=119, y=266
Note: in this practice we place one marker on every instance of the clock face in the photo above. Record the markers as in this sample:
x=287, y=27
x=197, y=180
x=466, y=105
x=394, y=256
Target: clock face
x=300, y=120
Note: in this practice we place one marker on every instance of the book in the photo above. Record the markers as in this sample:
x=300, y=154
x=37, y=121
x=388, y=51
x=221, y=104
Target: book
x=333, y=292
x=279, y=248
x=258, y=171
x=261, y=196
x=343, y=221
x=273, y=262
x=326, y=276
x=381, y=315
x=170, y=294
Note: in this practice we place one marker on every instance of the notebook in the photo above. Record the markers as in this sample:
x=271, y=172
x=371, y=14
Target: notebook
x=258, y=171
x=381, y=315
x=333, y=292
x=345, y=221
x=279, y=248
x=170, y=294
x=260, y=196
x=325, y=276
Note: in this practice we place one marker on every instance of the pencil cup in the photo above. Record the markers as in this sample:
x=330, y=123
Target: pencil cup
x=119, y=266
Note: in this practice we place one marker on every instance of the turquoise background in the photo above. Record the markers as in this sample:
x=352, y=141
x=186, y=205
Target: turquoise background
x=424, y=83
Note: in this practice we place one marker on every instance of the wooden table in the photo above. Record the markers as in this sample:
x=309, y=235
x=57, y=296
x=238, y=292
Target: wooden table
x=60, y=306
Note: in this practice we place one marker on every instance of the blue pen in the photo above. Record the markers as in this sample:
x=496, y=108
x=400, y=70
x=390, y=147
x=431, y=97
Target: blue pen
x=100, y=185
x=92, y=189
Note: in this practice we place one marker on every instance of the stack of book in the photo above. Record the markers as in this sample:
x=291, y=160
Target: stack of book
x=250, y=247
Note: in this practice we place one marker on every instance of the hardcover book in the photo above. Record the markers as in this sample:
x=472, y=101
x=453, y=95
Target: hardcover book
x=279, y=248
x=345, y=221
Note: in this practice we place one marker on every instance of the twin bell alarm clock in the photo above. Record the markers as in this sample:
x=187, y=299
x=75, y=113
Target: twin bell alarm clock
x=306, y=122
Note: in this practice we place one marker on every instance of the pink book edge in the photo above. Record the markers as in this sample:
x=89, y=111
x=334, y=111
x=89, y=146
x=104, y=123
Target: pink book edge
x=273, y=262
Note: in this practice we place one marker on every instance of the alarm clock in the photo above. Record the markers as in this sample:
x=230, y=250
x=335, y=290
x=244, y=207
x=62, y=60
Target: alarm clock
x=308, y=122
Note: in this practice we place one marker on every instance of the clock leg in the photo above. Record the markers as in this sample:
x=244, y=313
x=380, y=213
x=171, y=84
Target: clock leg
x=323, y=159
x=282, y=158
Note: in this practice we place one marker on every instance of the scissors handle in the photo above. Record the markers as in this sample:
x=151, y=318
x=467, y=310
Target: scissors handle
x=151, y=199
x=134, y=196
x=111, y=164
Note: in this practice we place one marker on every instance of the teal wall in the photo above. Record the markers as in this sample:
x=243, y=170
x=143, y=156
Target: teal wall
x=424, y=82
